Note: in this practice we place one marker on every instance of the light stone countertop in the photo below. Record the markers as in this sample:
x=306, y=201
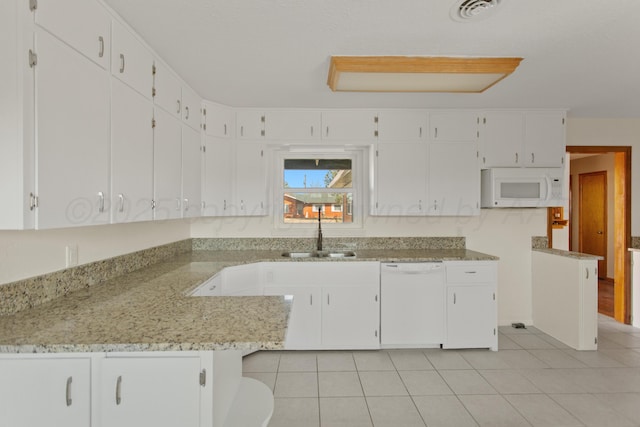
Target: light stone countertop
x=568, y=254
x=149, y=310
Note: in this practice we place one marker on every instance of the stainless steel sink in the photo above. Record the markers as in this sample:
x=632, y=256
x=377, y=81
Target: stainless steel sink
x=320, y=254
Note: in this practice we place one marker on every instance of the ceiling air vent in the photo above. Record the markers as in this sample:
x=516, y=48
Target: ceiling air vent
x=473, y=10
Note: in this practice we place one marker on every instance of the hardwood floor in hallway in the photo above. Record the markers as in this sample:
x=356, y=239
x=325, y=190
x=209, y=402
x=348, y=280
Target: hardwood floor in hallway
x=605, y=297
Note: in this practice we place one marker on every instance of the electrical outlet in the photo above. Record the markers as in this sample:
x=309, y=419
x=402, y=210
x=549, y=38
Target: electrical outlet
x=72, y=255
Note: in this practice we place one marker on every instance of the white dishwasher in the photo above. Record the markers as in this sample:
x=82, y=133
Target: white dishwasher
x=412, y=304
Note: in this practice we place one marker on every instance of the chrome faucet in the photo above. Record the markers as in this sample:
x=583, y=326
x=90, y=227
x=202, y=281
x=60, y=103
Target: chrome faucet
x=319, y=241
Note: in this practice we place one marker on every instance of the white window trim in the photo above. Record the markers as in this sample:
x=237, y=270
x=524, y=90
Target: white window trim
x=358, y=156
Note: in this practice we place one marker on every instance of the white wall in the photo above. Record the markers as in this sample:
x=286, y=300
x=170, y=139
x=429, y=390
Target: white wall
x=30, y=253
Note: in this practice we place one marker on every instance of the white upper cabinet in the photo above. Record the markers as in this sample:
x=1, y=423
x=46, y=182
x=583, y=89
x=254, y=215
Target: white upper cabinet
x=217, y=191
x=502, y=137
x=250, y=124
x=72, y=128
x=220, y=121
x=191, y=108
x=293, y=125
x=453, y=126
x=402, y=125
x=544, y=138
x=131, y=62
x=131, y=155
x=400, y=182
x=523, y=139
x=191, y=173
x=167, y=90
x=356, y=125
x=167, y=165
x=251, y=183
x=454, y=179
x=83, y=24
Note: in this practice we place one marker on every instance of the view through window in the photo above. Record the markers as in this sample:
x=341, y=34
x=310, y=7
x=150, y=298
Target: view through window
x=315, y=187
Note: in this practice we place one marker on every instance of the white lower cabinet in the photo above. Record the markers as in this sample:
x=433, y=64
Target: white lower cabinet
x=45, y=392
x=336, y=304
x=471, y=305
x=153, y=391
x=305, y=320
x=350, y=317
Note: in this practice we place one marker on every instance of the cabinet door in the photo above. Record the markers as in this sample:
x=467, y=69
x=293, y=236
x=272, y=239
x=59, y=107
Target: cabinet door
x=167, y=166
x=219, y=120
x=191, y=173
x=402, y=125
x=351, y=125
x=131, y=155
x=292, y=125
x=471, y=316
x=400, y=184
x=90, y=35
x=218, y=177
x=242, y=280
x=453, y=126
x=45, y=392
x=250, y=124
x=167, y=90
x=191, y=105
x=72, y=128
x=251, y=187
x=131, y=62
x=149, y=391
x=502, y=138
x=304, y=328
x=454, y=179
x=350, y=317
x=544, y=142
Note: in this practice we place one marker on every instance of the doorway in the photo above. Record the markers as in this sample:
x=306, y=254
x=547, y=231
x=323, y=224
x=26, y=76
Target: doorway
x=621, y=233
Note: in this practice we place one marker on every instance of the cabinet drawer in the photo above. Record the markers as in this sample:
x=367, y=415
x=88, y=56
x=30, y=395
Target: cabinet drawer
x=471, y=273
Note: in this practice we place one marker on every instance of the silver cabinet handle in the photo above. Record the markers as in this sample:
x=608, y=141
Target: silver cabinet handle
x=311, y=130
x=436, y=133
x=100, y=201
x=327, y=133
x=121, y=202
x=420, y=132
x=224, y=208
x=328, y=299
x=241, y=131
x=178, y=207
x=310, y=299
x=203, y=377
x=68, y=391
x=435, y=205
x=33, y=201
x=516, y=157
x=470, y=272
x=179, y=106
x=587, y=270
x=100, y=46
x=454, y=297
x=119, y=390
x=420, y=205
x=186, y=205
x=186, y=113
x=121, y=63
x=225, y=128
x=533, y=158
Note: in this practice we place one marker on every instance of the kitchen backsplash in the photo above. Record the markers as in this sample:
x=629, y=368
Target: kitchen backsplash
x=27, y=293
x=635, y=242
x=539, y=242
x=334, y=243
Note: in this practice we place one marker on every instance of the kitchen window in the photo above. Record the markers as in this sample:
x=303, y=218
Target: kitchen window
x=317, y=185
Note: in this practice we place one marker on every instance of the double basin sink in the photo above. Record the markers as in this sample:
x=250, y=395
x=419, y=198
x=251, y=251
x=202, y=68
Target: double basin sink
x=320, y=254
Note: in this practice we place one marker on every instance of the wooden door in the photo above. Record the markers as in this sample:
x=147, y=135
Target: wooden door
x=593, y=217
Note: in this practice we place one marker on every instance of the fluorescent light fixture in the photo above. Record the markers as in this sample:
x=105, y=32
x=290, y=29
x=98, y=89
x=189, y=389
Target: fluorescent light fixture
x=417, y=73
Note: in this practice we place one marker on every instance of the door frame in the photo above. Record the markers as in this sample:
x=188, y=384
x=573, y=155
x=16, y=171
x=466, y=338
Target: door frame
x=622, y=225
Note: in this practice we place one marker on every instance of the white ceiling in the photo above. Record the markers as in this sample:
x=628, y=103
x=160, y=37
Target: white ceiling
x=583, y=55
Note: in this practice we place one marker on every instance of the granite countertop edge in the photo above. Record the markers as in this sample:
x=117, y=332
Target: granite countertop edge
x=150, y=309
x=568, y=254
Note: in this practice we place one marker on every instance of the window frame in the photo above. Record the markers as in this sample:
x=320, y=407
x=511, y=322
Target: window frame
x=357, y=155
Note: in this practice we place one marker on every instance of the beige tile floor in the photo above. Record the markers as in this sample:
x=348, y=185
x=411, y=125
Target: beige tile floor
x=533, y=380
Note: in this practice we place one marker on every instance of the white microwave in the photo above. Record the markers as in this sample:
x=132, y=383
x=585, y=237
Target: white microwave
x=521, y=187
